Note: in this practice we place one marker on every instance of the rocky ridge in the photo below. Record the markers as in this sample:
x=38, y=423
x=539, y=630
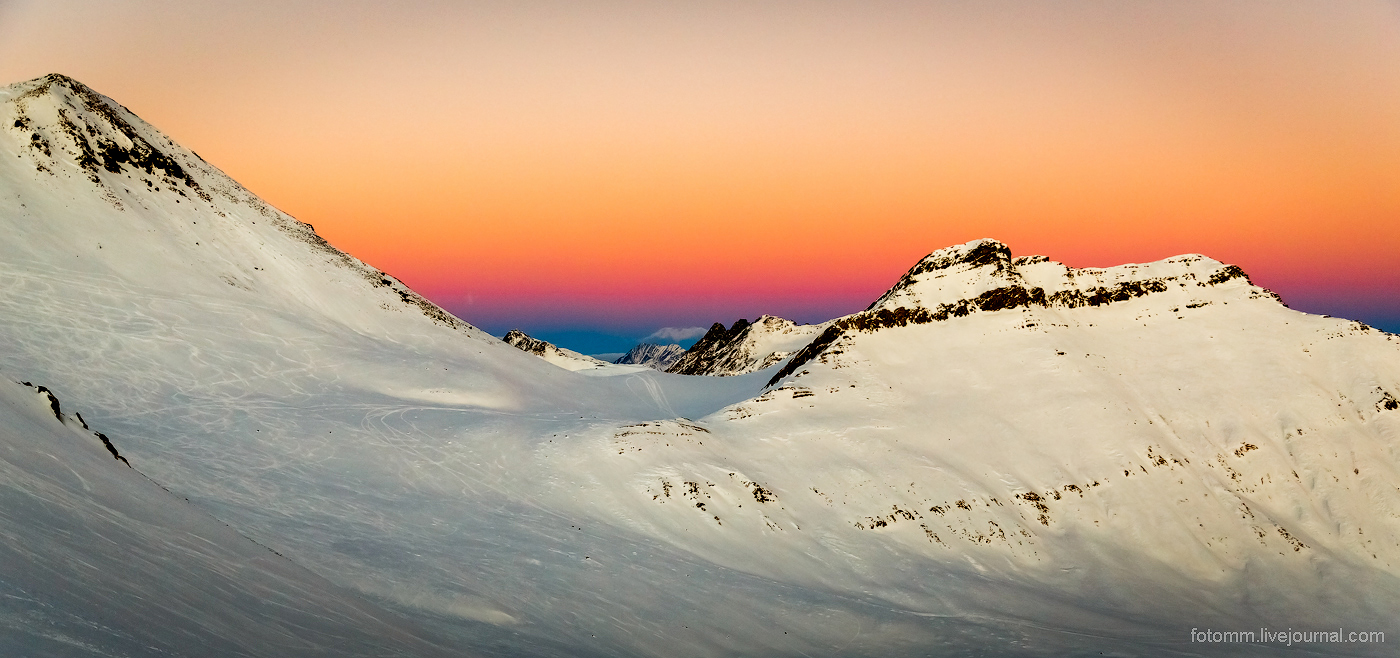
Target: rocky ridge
x=745, y=347
x=566, y=359
x=982, y=277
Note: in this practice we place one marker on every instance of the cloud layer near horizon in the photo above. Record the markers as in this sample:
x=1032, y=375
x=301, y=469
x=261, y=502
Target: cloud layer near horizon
x=675, y=334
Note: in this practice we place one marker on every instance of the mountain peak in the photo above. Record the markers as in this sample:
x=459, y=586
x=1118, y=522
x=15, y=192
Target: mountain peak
x=44, y=84
x=659, y=357
x=977, y=264
x=67, y=121
x=699, y=358
x=80, y=156
x=977, y=253
x=982, y=277
x=745, y=347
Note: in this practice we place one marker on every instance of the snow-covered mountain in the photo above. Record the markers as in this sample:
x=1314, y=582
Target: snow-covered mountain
x=1166, y=428
x=981, y=276
x=651, y=355
x=1001, y=456
x=745, y=347
x=566, y=359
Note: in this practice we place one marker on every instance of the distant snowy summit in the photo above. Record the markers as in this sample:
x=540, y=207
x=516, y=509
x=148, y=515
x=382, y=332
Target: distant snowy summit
x=745, y=347
x=651, y=355
x=982, y=277
x=566, y=359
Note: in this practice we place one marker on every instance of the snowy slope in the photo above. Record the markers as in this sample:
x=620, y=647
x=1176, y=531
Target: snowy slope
x=657, y=357
x=566, y=359
x=745, y=347
x=923, y=479
x=92, y=550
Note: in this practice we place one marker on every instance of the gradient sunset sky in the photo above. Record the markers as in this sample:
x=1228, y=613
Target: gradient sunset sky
x=593, y=171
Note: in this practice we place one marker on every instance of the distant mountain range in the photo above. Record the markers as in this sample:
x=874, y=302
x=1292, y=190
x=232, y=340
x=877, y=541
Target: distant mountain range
x=745, y=347
x=1001, y=456
x=659, y=357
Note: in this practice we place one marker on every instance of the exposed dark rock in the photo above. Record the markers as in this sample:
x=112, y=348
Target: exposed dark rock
x=986, y=253
x=810, y=352
x=711, y=347
x=112, y=449
x=524, y=342
x=1101, y=296
x=99, y=147
x=53, y=402
x=58, y=413
x=1227, y=273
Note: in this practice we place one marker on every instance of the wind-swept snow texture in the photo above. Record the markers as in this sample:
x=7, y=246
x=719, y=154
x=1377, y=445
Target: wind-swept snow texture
x=98, y=560
x=1000, y=457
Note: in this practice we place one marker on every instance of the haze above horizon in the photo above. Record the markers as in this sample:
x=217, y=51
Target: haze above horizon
x=586, y=171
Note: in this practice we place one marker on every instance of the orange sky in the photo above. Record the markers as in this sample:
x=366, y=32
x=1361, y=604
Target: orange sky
x=629, y=165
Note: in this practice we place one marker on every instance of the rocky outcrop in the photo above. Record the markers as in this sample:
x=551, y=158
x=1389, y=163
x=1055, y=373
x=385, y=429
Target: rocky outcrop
x=745, y=347
x=522, y=341
x=700, y=359
x=101, y=137
x=57, y=409
x=566, y=359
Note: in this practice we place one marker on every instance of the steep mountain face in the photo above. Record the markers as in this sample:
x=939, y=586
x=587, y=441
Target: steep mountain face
x=746, y=347
x=699, y=358
x=566, y=359
x=1002, y=455
x=657, y=357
